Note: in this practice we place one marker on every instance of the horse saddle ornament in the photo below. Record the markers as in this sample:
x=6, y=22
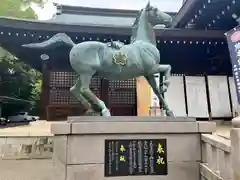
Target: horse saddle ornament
x=120, y=58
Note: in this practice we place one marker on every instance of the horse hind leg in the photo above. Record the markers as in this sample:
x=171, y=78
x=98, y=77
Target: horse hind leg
x=75, y=90
x=166, y=69
x=97, y=104
x=152, y=82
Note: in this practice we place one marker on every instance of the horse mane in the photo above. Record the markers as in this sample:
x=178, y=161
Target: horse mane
x=135, y=27
x=136, y=22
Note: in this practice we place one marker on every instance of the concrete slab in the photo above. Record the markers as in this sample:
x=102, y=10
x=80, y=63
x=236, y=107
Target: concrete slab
x=223, y=130
x=38, y=128
x=43, y=128
x=73, y=119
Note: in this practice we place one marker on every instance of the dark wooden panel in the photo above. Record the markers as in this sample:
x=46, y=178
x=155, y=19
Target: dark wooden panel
x=127, y=97
x=120, y=96
x=62, y=79
x=61, y=112
x=122, y=92
x=124, y=110
x=61, y=82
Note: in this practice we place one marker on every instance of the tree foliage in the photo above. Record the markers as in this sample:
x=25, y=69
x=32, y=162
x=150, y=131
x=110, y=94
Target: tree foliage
x=17, y=79
x=19, y=8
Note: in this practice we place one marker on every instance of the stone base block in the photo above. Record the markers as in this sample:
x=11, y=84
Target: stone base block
x=180, y=170
x=80, y=151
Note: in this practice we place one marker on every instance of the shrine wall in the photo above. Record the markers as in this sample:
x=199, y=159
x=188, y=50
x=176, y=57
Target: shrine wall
x=198, y=96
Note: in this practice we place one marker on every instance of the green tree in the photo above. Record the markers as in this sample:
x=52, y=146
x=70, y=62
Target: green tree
x=19, y=8
x=17, y=79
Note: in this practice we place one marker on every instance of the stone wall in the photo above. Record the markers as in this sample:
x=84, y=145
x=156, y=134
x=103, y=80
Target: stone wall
x=26, y=147
x=216, y=158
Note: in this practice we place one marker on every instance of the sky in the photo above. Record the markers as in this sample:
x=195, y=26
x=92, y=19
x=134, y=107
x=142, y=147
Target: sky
x=164, y=5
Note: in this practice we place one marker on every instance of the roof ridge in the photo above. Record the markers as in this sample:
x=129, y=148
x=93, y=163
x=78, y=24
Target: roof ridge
x=70, y=9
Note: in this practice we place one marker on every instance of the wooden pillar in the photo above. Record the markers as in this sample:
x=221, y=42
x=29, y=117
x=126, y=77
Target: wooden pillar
x=45, y=87
x=143, y=97
x=104, y=91
x=235, y=148
x=0, y=109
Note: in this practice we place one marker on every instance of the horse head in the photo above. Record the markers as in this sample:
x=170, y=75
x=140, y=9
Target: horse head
x=155, y=16
x=147, y=18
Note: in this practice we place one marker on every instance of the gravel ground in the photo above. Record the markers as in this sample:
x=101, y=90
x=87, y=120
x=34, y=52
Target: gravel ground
x=28, y=170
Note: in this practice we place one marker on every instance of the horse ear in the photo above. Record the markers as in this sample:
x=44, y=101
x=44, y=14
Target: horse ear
x=148, y=5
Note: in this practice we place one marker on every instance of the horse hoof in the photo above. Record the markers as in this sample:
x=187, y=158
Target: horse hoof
x=91, y=112
x=169, y=113
x=106, y=113
x=72, y=89
x=163, y=89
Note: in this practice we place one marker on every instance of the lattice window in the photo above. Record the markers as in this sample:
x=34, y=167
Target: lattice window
x=122, y=97
x=61, y=82
x=95, y=84
x=65, y=97
x=130, y=83
x=62, y=79
x=62, y=97
x=68, y=79
x=122, y=92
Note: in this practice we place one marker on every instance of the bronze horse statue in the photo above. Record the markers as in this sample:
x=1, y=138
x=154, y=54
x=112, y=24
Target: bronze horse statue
x=117, y=61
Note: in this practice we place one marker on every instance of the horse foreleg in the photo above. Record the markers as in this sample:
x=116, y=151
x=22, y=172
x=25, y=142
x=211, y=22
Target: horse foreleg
x=166, y=69
x=97, y=104
x=152, y=82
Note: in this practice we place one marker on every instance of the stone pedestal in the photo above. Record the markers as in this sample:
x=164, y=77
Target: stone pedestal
x=79, y=145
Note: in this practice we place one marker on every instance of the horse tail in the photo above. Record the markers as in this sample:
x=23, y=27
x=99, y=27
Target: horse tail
x=55, y=41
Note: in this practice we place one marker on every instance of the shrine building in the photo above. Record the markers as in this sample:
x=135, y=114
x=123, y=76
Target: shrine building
x=195, y=46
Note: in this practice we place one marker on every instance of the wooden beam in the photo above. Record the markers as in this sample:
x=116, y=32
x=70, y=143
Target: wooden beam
x=44, y=96
x=80, y=10
x=143, y=97
x=183, y=14
x=8, y=24
x=6, y=99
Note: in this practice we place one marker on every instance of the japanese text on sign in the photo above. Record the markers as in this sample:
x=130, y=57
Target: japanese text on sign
x=233, y=39
x=135, y=157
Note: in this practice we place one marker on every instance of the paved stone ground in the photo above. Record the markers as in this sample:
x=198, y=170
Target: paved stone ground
x=28, y=170
x=38, y=128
